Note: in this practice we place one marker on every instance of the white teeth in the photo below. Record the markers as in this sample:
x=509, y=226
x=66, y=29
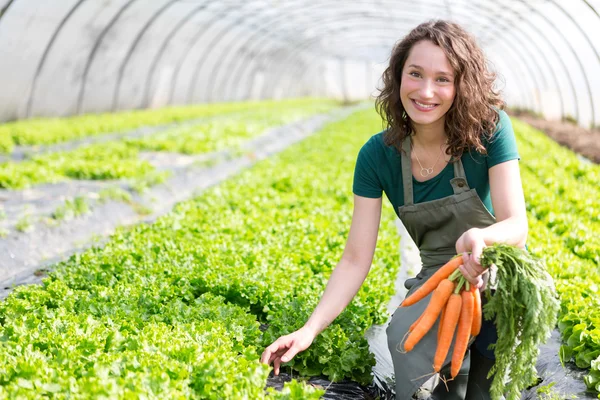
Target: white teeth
x=424, y=105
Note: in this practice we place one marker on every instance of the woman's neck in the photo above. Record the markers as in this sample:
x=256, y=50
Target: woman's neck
x=431, y=135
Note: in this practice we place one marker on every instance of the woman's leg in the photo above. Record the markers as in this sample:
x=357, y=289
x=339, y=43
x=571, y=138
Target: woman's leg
x=479, y=385
x=482, y=360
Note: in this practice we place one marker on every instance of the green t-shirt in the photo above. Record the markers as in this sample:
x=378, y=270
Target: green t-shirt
x=378, y=169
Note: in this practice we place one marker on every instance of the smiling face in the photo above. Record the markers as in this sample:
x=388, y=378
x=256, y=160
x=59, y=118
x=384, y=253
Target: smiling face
x=427, y=84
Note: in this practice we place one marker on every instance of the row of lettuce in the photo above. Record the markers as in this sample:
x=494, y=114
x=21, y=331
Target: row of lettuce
x=120, y=159
x=564, y=193
x=173, y=309
x=45, y=131
x=564, y=228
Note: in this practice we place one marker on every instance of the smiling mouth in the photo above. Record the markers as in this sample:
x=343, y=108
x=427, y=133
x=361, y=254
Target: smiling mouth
x=423, y=105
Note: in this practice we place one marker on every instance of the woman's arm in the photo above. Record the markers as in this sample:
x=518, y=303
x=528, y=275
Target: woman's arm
x=349, y=274
x=343, y=284
x=511, y=226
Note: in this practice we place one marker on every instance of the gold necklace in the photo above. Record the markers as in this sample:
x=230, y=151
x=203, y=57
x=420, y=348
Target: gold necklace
x=425, y=172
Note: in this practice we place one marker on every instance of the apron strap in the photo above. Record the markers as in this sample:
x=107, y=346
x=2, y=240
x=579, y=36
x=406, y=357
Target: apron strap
x=407, y=172
x=459, y=182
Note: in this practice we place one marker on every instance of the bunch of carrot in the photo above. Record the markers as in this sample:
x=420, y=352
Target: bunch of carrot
x=459, y=309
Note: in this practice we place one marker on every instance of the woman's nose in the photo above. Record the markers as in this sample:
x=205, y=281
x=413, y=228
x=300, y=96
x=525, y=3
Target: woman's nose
x=426, y=88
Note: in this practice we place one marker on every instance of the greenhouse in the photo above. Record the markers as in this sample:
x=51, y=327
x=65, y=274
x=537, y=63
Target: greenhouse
x=291, y=199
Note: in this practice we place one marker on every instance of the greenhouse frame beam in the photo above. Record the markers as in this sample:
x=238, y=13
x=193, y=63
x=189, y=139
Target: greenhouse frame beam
x=555, y=51
x=250, y=39
x=5, y=8
x=509, y=49
x=180, y=24
x=287, y=63
x=551, y=45
x=550, y=68
x=283, y=41
x=378, y=18
x=213, y=45
x=264, y=32
x=592, y=47
x=132, y=49
x=31, y=92
x=95, y=48
x=195, y=40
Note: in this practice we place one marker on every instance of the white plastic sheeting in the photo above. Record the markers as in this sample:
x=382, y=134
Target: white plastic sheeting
x=69, y=57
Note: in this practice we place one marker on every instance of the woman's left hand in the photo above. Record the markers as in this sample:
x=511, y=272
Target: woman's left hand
x=471, y=241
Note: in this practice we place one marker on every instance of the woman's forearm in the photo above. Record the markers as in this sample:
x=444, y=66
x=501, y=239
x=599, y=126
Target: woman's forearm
x=344, y=282
x=512, y=230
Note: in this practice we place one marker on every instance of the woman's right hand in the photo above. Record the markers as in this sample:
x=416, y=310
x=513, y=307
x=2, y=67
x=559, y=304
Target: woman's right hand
x=286, y=347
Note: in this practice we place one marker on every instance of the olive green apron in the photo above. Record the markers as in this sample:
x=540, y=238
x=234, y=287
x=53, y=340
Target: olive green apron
x=435, y=226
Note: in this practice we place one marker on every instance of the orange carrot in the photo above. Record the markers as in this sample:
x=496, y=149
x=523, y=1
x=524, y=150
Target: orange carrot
x=441, y=322
x=453, y=312
x=476, y=326
x=444, y=272
x=463, y=332
x=438, y=301
x=415, y=323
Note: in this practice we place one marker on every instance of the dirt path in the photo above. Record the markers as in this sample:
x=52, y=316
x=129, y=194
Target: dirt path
x=582, y=141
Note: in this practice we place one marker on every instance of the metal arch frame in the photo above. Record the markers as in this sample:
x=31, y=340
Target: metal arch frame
x=210, y=47
x=527, y=58
x=132, y=48
x=95, y=48
x=592, y=8
x=246, y=67
x=551, y=46
x=549, y=65
x=38, y=71
x=3, y=11
x=280, y=16
x=157, y=57
x=394, y=37
x=519, y=56
x=544, y=77
x=523, y=58
x=592, y=47
x=251, y=44
x=360, y=10
x=560, y=61
x=552, y=71
x=534, y=60
x=308, y=44
x=186, y=54
x=511, y=29
x=568, y=44
x=251, y=41
x=166, y=42
x=231, y=53
x=213, y=45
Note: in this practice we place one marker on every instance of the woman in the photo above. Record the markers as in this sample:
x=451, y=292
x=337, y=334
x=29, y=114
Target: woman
x=448, y=163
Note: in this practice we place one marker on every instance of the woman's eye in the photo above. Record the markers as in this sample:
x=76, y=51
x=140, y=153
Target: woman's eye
x=444, y=80
x=416, y=74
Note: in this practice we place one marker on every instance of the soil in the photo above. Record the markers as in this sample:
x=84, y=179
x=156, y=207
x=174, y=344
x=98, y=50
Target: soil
x=585, y=142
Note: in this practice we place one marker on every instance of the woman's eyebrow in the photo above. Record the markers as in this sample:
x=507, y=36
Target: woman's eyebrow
x=438, y=72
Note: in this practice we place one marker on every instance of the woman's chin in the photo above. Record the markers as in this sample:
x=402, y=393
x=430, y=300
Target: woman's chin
x=421, y=119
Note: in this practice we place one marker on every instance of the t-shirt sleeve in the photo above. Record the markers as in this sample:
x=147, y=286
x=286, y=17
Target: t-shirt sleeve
x=366, y=180
x=502, y=145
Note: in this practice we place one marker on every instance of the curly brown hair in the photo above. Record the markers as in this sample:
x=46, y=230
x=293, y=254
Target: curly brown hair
x=474, y=112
